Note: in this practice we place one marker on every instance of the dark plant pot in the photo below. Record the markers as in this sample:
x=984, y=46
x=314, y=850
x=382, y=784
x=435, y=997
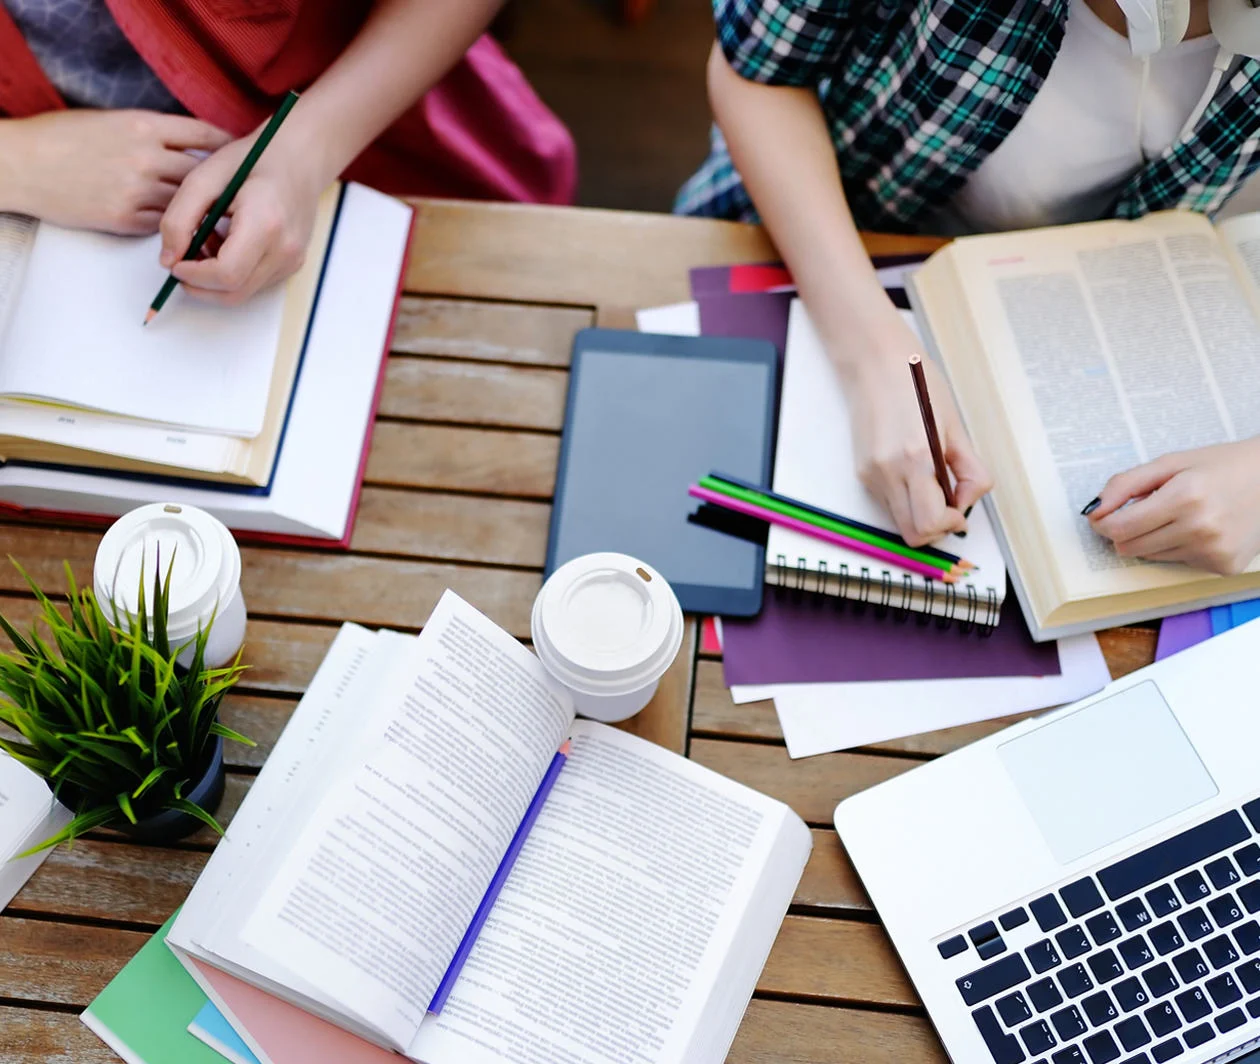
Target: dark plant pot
x=170, y=825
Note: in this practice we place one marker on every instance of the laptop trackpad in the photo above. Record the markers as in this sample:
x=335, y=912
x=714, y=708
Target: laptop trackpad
x=1106, y=771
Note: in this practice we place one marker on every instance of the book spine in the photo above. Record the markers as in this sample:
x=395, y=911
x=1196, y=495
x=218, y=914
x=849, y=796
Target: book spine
x=965, y=606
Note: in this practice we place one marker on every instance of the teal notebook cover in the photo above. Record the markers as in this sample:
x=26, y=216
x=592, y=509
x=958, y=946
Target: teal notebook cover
x=211, y=1027
x=144, y=1013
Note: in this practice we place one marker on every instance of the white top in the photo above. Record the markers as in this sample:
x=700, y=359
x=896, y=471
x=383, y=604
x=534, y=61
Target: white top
x=1096, y=120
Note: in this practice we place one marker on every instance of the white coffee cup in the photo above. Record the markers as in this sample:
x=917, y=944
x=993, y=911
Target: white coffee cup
x=607, y=626
x=205, y=571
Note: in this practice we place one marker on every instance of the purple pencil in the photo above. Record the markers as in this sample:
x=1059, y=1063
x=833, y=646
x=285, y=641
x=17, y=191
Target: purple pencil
x=739, y=506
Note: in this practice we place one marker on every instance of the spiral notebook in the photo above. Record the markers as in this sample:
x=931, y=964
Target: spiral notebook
x=814, y=462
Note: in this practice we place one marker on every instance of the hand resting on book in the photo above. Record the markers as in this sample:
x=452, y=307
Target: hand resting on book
x=1200, y=507
x=113, y=171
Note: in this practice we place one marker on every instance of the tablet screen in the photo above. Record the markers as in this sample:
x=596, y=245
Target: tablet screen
x=643, y=427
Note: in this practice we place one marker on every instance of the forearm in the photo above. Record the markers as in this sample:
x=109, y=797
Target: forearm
x=779, y=141
x=404, y=48
x=13, y=193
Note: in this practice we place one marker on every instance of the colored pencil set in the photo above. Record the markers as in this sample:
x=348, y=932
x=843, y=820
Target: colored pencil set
x=742, y=497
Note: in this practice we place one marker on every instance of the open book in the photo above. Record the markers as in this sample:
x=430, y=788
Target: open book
x=364, y=876
x=202, y=392
x=28, y=816
x=1082, y=351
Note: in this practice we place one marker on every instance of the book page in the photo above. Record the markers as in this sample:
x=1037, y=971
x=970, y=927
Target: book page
x=78, y=337
x=624, y=904
x=17, y=237
x=374, y=897
x=1111, y=344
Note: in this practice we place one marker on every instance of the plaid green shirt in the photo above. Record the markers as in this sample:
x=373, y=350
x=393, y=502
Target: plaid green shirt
x=918, y=92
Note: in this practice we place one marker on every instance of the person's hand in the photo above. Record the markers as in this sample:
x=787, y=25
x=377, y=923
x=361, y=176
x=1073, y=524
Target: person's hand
x=1200, y=507
x=893, y=457
x=114, y=171
x=270, y=222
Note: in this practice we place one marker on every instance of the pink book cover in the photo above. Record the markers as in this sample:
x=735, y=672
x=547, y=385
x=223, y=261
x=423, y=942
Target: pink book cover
x=280, y=1033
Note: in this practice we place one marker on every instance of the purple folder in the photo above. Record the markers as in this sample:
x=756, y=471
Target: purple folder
x=812, y=639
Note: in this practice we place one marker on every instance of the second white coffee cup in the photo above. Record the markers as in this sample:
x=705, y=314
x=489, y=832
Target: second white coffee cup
x=607, y=626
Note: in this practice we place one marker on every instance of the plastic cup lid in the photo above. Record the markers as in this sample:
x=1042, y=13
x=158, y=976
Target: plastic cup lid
x=607, y=623
x=199, y=551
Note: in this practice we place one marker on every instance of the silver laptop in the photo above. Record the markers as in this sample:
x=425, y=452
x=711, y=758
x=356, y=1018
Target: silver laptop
x=1085, y=887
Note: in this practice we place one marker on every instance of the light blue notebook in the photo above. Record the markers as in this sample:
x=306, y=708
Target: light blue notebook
x=210, y=1027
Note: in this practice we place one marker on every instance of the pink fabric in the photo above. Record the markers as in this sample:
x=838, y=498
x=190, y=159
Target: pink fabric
x=480, y=133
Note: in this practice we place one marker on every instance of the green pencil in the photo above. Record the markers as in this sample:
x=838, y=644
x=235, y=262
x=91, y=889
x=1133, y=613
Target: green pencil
x=220, y=206
x=769, y=502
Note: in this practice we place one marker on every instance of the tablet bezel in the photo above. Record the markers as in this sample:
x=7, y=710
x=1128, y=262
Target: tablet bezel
x=694, y=598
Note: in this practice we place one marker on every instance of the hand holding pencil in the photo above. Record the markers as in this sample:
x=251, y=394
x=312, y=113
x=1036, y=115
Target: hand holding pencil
x=892, y=453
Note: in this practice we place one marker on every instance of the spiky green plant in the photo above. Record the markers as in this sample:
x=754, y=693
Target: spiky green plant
x=105, y=715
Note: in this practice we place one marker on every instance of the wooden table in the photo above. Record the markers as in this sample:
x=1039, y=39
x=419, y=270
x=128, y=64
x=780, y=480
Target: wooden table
x=457, y=494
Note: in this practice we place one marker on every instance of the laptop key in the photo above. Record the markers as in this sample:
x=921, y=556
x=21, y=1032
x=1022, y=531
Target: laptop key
x=1166, y=1050
x=1131, y=994
x=1248, y=937
x=1253, y=1008
x=1252, y=809
x=1103, y=928
x=1223, y=989
x=1163, y=1019
x=1190, y=965
x=1163, y=900
x=1005, y=1048
x=1069, y=1023
x=990, y=949
x=1222, y=873
x=1136, y=952
x=993, y=979
x=1193, y=1004
x=1248, y=859
x=1160, y=980
x=1141, y=1058
x=1225, y=910
x=1195, y=924
x=1220, y=951
x=1105, y=966
x=1043, y=956
x=1013, y=919
x=1249, y=895
x=1069, y=1055
x=951, y=947
x=1248, y=974
x=1132, y=1033
x=1048, y=912
x=1196, y=1036
x=1075, y=981
x=1101, y=1048
x=983, y=932
x=1227, y=1021
x=1099, y=1008
x=1133, y=914
x=1044, y=994
x=1192, y=887
x=1165, y=938
x=1072, y=942
x=1013, y=1009
x=1081, y=897
x=1166, y=858
x=1038, y=1038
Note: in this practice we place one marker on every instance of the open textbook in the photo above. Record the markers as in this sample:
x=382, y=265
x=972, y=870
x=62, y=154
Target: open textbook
x=28, y=816
x=1078, y=352
x=358, y=878
x=202, y=392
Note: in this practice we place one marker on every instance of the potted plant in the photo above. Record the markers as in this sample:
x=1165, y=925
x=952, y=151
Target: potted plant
x=125, y=736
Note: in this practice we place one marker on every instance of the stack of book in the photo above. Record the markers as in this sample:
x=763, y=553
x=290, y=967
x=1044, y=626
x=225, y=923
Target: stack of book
x=260, y=414
x=438, y=860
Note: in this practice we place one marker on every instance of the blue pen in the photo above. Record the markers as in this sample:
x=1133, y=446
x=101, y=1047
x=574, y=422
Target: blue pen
x=500, y=877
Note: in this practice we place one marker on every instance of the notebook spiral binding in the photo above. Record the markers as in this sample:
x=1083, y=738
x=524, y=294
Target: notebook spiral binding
x=883, y=594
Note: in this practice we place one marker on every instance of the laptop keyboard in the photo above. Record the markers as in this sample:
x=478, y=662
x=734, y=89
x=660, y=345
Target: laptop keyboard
x=1140, y=962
